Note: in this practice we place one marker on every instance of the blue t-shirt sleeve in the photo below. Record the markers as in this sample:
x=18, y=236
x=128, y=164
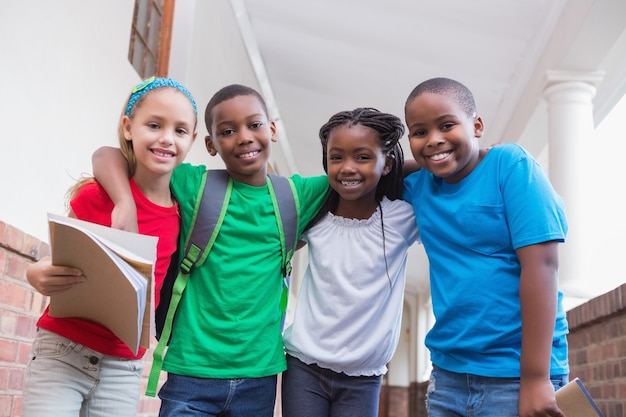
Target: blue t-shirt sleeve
x=409, y=184
x=534, y=211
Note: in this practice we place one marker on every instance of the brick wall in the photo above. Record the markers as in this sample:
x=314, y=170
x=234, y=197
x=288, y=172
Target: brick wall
x=597, y=339
x=20, y=307
x=597, y=349
x=597, y=354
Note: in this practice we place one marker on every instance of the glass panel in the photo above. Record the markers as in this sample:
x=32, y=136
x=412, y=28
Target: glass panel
x=150, y=66
x=142, y=16
x=145, y=39
x=154, y=36
x=159, y=5
x=140, y=51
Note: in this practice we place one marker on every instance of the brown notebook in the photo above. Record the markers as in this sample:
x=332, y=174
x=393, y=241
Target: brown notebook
x=119, y=268
x=574, y=400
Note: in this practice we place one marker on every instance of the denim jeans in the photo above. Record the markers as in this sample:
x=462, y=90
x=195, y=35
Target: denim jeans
x=189, y=396
x=450, y=394
x=311, y=391
x=65, y=379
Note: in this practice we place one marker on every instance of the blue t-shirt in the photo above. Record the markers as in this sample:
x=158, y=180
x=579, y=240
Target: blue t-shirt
x=470, y=231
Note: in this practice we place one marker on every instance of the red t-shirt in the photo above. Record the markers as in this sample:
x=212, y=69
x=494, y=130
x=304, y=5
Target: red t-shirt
x=93, y=204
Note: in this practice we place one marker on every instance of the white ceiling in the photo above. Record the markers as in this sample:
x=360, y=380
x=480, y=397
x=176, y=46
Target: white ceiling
x=324, y=56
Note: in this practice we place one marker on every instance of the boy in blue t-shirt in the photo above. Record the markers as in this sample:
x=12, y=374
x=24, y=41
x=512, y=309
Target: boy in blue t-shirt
x=491, y=224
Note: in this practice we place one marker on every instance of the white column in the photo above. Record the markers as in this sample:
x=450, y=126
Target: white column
x=421, y=320
x=570, y=138
x=412, y=299
x=425, y=320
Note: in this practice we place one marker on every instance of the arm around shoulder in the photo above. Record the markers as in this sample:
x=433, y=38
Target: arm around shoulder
x=110, y=169
x=410, y=166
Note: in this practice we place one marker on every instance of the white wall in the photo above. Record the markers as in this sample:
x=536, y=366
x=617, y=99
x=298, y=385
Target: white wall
x=65, y=76
x=399, y=374
x=218, y=55
x=216, y=58
x=603, y=202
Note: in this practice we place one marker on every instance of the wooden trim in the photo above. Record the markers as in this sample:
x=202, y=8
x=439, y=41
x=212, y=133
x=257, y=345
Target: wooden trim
x=165, y=42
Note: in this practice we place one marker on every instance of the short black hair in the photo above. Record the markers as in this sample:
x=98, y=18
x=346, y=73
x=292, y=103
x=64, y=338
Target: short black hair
x=448, y=87
x=226, y=93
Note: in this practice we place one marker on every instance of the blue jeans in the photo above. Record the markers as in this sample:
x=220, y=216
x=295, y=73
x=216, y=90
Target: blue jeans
x=311, y=391
x=465, y=395
x=65, y=379
x=189, y=396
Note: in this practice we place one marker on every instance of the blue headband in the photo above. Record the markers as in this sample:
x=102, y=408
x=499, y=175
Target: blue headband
x=153, y=83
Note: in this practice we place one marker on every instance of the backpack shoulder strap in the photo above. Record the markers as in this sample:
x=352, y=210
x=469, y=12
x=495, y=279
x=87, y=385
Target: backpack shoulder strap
x=288, y=211
x=284, y=198
x=208, y=216
x=210, y=208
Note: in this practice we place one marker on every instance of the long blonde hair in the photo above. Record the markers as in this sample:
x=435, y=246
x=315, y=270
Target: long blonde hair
x=134, y=100
x=126, y=147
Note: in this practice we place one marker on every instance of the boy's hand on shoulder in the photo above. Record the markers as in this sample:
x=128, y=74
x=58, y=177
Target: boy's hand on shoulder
x=124, y=217
x=49, y=279
x=410, y=166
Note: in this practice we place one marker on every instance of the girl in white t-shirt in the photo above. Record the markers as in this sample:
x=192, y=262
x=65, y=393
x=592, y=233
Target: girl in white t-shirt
x=349, y=309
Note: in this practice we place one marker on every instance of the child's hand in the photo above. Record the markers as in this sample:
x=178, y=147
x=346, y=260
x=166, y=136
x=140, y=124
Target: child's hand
x=50, y=280
x=410, y=166
x=537, y=399
x=124, y=217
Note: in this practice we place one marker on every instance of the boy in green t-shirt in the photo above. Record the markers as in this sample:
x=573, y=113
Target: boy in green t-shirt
x=226, y=346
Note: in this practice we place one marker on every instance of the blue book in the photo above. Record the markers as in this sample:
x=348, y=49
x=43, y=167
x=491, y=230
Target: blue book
x=575, y=401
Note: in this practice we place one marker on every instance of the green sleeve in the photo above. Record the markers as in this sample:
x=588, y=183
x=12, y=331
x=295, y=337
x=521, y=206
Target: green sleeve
x=185, y=183
x=311, y=194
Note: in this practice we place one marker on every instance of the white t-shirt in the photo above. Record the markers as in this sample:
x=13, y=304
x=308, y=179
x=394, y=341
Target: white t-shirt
x=349, y=308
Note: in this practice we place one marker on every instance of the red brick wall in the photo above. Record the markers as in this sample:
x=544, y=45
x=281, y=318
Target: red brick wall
x=597, y=339
x=597, y=349
x=597, y=353
x=20, y=307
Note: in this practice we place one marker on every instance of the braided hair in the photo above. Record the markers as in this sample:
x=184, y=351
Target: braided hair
x=390, y=130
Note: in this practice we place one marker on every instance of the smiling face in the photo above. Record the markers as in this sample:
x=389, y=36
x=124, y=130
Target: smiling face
x=162, y=130
x=242, y=135
x=355, y=164
x=443, y=138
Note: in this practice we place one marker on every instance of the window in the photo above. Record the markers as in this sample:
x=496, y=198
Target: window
x=150, y=37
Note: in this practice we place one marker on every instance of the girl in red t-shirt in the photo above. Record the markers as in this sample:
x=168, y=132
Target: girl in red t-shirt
x=79, y=367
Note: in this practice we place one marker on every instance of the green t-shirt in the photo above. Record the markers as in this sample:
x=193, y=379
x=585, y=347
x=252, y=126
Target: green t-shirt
x=228, y=321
